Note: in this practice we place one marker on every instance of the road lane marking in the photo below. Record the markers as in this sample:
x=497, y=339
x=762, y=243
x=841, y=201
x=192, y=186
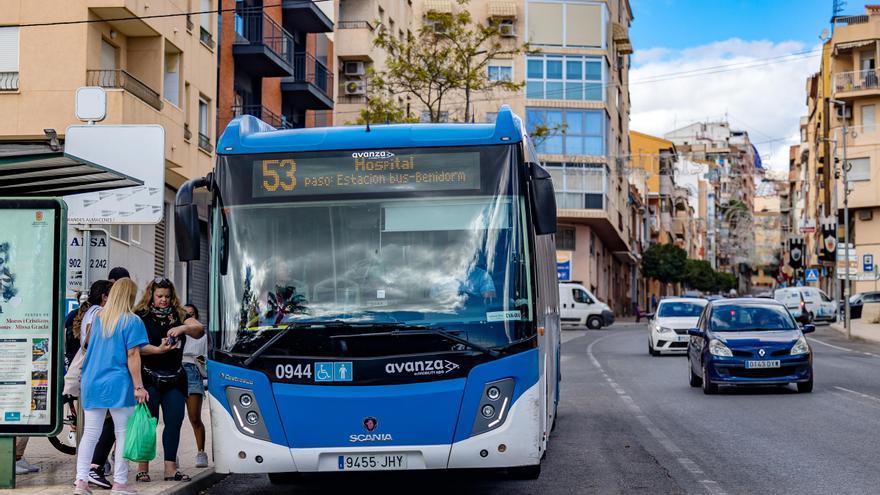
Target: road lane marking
x=831, y=345
x=688, y=464
x=860, y=394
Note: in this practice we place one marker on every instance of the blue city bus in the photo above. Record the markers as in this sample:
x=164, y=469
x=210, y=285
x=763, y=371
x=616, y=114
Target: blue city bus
x=381, y=298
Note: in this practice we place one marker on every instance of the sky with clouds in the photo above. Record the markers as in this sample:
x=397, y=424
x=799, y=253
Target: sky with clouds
x=746, y=60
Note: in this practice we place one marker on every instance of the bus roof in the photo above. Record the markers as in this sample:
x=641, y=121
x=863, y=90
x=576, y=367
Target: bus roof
x=247, y=134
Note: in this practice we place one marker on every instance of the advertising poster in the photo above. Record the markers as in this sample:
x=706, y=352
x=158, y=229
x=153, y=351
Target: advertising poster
x=27, y=285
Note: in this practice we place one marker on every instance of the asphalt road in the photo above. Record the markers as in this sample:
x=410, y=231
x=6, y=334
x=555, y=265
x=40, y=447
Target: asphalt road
x=629, y=423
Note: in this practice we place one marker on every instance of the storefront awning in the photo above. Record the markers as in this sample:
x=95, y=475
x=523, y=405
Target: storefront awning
x=502, y=9
x=438, y=6
x=35, y=169
x=851, y=44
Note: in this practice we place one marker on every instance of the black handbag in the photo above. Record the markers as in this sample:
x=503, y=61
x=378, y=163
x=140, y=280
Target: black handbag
x=163, y=378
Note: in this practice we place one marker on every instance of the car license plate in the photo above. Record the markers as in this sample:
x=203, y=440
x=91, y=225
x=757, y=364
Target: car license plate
x=682, y=338
x=774, y=363
x=372, y=462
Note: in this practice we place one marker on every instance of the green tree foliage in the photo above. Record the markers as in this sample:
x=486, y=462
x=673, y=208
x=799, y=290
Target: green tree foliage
x=381, y=110
x=725, y=281
x=699, y=275
x=447, y=56
x=664, y=262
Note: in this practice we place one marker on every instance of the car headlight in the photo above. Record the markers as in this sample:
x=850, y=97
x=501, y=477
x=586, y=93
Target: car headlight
x=800, y=347
x=717, y=348
x=664, y=329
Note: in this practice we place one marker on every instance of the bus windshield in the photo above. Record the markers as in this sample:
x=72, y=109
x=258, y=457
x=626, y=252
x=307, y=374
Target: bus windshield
x=372, y=256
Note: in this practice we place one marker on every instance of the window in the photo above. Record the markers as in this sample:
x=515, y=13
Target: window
x=204, y=130
x=8, y=58
x=491, y=116
x=565, y=238
x=426, y=116
x=109, y=56
x=868, y=118
x=861, y=169
x=500, y=73
x=572, y=132
x=581, y=296
x=121, y=232
x=566, y=23
x=135, y=234
x=579, y=185
x=205, y=18
x=565, y=78
x=171, y=87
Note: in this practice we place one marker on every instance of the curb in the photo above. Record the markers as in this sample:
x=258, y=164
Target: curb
x=200, y=482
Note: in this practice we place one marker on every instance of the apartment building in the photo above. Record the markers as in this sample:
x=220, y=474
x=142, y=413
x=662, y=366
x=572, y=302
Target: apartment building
x=849, y=73
x=155, y=71
x=277, y=62
x=771, y=210
x=735, y=165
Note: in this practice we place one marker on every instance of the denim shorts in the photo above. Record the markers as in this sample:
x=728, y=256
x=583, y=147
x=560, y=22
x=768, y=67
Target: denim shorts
x=194, y=383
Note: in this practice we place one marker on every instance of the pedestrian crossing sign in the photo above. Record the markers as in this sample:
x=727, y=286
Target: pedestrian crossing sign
x=812, y=275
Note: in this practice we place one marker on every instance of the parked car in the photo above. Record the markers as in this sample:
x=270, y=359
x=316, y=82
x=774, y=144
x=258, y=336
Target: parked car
x=580, y=308
x=670, y=323
x=807, y=304
x=856, y=301
x=749, y=341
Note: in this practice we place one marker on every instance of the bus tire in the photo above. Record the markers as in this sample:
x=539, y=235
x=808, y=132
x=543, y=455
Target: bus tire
x=284, y=478
x=594, y=323
x=525, y=472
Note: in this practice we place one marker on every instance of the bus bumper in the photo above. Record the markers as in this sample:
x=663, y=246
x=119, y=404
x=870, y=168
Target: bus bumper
x=518, y=442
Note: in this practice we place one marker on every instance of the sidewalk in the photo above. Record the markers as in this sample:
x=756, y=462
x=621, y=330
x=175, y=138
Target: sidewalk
x=57, y=470
x=861, y=329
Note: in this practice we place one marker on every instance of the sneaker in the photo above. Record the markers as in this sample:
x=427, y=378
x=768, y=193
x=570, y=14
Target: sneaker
x=81, y=488
x=25, y=464
x=122, y=490
x=19, y=469
x=202, y=460
x=98, y=478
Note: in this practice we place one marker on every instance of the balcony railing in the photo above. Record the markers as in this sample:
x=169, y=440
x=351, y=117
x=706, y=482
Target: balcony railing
x=851, y=19
x=307, y=68
x=354, y=25
x=120, y=79
x=187, y=134
x=205, y=143
x=189, y=22
x=857, y=80
x=206, y=38
x=255, y=27
x=262, y=113
x=8, y=81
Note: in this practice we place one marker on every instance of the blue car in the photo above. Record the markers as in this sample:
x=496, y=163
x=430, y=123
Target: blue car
x=749, y=342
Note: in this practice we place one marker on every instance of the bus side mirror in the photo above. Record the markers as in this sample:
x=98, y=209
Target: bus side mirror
x=543, y=200
x=186, y=220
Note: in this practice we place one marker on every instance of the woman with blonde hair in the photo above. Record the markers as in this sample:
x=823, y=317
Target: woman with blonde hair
x=111, y=380
x=168, y=327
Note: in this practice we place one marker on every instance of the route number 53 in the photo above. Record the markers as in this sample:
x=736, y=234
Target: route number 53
x=279, y=174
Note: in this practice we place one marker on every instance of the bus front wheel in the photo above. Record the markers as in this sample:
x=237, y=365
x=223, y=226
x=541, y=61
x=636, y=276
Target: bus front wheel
x=284, y=478
x=525, y=472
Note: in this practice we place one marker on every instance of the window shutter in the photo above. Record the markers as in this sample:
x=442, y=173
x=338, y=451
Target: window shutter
x=8, y=49
x=160, y=247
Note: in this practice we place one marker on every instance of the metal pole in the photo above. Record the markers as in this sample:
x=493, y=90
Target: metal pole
x=835, y=282
x=846, y=318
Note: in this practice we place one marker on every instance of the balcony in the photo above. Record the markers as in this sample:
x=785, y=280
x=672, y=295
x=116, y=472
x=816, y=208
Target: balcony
x=857, y=83
x=123, y=16
x=354, y=40
x=262, y=47
x=206, y=38
x=8, y=81
x=205, y=143
x=120, y=79
x=262, y=113
x=311, y=86
x=305, y=16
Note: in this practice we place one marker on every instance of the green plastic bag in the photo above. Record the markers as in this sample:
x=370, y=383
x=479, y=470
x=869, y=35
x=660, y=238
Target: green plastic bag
x=140, y=436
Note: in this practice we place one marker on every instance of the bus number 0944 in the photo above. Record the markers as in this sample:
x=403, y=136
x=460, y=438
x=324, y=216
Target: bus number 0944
x=289, y=371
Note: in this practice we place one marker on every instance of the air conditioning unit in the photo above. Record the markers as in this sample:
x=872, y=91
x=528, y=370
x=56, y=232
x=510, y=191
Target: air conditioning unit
x=354, y=88
x=507, y=29
x=354, y=68
x=866, y=215
x=438, y=27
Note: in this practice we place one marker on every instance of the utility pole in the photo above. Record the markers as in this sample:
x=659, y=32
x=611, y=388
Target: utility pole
x=846, y=289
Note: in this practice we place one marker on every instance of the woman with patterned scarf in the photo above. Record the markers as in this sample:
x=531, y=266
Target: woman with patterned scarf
x=164, y=377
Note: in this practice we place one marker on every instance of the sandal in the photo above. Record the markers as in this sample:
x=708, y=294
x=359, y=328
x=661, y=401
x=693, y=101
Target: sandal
x=143, y=477
x=178, y=476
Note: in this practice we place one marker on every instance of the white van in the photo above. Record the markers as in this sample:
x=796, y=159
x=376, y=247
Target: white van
x=807, y=303
x=580, y=308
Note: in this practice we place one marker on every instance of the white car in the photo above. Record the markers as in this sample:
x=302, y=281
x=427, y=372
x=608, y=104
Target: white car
x=807, y=304
x=669, y=325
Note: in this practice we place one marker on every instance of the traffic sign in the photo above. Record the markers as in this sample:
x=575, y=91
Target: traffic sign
x=812, y=274
x=868, y=263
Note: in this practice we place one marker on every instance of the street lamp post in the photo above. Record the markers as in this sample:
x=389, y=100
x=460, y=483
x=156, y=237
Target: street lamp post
x=846, y=290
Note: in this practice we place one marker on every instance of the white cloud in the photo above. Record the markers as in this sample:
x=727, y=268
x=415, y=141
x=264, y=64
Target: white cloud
x=765, y=98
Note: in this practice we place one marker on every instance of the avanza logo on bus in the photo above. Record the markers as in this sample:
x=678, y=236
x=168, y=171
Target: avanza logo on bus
x=372, y=154
x=426, y=367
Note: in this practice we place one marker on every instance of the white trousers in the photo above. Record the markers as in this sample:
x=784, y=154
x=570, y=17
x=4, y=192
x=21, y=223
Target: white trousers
x=94, y=423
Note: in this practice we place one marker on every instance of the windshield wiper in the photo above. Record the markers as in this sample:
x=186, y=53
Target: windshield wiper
x=294, y=325
x=422, y=330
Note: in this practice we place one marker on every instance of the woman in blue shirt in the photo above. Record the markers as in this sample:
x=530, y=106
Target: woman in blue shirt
x=111, y=380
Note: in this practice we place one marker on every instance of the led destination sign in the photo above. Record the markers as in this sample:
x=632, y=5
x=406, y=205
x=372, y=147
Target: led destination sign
x=366, y=172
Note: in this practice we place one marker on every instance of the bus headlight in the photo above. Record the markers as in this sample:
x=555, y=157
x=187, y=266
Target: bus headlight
x=494, y=405
x=246, y=413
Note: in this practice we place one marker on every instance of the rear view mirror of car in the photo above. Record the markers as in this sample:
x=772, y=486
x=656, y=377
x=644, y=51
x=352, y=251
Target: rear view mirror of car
x=695, y=332
x=808, y=328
